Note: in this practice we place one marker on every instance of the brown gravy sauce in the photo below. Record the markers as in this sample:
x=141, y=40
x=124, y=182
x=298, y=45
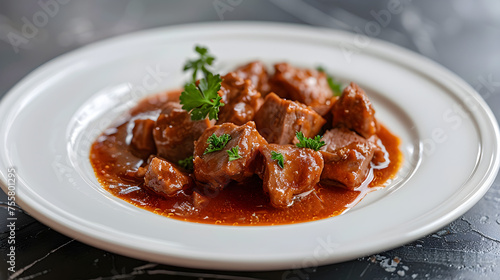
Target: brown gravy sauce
x=237, y=204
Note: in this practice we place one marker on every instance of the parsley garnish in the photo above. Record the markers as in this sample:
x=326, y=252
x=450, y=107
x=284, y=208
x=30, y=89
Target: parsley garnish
x=216, y=143
x=186, y=163
x=311, y=143
x=203, y=100
x=278, y=157
x=233, y=153
x=334, y=86
x=200, y=63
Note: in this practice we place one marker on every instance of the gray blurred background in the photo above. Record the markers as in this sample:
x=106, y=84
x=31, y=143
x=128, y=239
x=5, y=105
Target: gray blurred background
x=461, y=35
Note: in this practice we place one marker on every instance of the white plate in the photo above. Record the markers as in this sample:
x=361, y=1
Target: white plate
x=449, y=138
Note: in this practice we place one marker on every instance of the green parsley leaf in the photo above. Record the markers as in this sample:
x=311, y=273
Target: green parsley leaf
x=278, y=157
x=186, y=163
x=336, y=87
x=201, y=63
x=216, y=143
x=311, y=143
x=203, y=100
x=233, y=153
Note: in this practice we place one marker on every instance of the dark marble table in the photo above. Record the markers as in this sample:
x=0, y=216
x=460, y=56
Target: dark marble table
x=464, y=36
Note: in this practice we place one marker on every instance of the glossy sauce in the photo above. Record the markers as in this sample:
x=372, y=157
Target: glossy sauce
x=238, y=203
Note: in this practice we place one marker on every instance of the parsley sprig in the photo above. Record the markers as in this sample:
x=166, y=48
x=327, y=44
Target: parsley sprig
x=203, y=100
x=186, y=163
x=233, y=153
x=201, y=63
x=336, y=87
x=312, y=143
x=216, y=143
x=278, y=157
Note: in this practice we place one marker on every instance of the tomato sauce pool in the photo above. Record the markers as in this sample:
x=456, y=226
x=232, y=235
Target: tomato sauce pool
x=238, y=203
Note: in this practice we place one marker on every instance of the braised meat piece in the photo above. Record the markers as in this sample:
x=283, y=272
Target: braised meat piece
x=325, y=108
x=340, y=137
x=175, y=132
x=380, y=156
x=354, y=111
x=241, y=100
x=301, y=171
x=256, y=72
x=143, y=143
x=164, y=178
x=304, y=85
x=347, y=158
x=214, y=168
x=278, y=120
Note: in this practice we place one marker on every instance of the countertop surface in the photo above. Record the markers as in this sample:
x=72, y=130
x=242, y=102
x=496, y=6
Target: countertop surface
x=463, y=36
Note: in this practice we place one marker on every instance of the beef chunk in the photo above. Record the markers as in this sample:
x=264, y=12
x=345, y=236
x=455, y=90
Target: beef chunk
x=380, y=155
x=164, y=178
x=340, y=137
x=325, y=108
x=241, y=100
x=143, y=143
x=278, y=120
x=256, y=72
x=300, y=173
x=347, y=158
x=304, y=85
x=175, y=132
x=214, y=169
x=354, y=111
